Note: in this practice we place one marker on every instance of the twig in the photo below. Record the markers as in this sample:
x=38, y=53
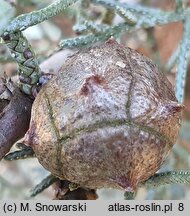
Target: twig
x=173, y=59
x=167, y=178
x=21, y=154
x=45, y=183
x=22, y=52
x=182, y=63
x=137, y=9
x=24, y=21
x=145, y=21
x=86, y=40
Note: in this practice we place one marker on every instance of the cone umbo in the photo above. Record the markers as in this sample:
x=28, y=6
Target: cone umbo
x=108, y=119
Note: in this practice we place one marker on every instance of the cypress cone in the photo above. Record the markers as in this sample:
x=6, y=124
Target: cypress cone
x=108, y=119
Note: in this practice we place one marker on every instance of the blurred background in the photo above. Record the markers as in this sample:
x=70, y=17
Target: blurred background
x=158, y=43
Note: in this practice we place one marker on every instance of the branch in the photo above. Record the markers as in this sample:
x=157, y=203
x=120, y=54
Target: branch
x=93, y=27
x=145, y=19
x=24, y=21
x=86, y=40
x=29, y=71
x=24, y=153
x=45, y=183
x=167, y=178
x=173, y=59
x=183, y=62
x=81, y=14
x=54, y=63
x=137, y=9
x=123, y=11
x=64, y=190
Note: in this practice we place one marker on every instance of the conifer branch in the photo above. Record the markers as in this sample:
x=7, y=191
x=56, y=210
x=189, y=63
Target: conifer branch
x=182, y=177
x=182, y=63
x=45, y=183
x=24, y=21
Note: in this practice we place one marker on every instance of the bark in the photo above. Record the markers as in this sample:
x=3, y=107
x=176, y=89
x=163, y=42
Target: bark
x=14, y=120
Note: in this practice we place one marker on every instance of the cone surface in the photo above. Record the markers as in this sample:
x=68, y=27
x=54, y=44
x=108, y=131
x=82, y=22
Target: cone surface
x=108, y=119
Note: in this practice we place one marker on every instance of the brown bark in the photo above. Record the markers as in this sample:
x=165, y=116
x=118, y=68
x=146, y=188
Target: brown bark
x=14, y=120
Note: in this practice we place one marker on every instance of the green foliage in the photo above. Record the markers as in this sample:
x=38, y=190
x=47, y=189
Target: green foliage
x=24, y=153
x=24, y=21
x=173, y=59
x=45, y=183
x=134, y=18
x=182, y=63
x=22, y=52
x=167, y=178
